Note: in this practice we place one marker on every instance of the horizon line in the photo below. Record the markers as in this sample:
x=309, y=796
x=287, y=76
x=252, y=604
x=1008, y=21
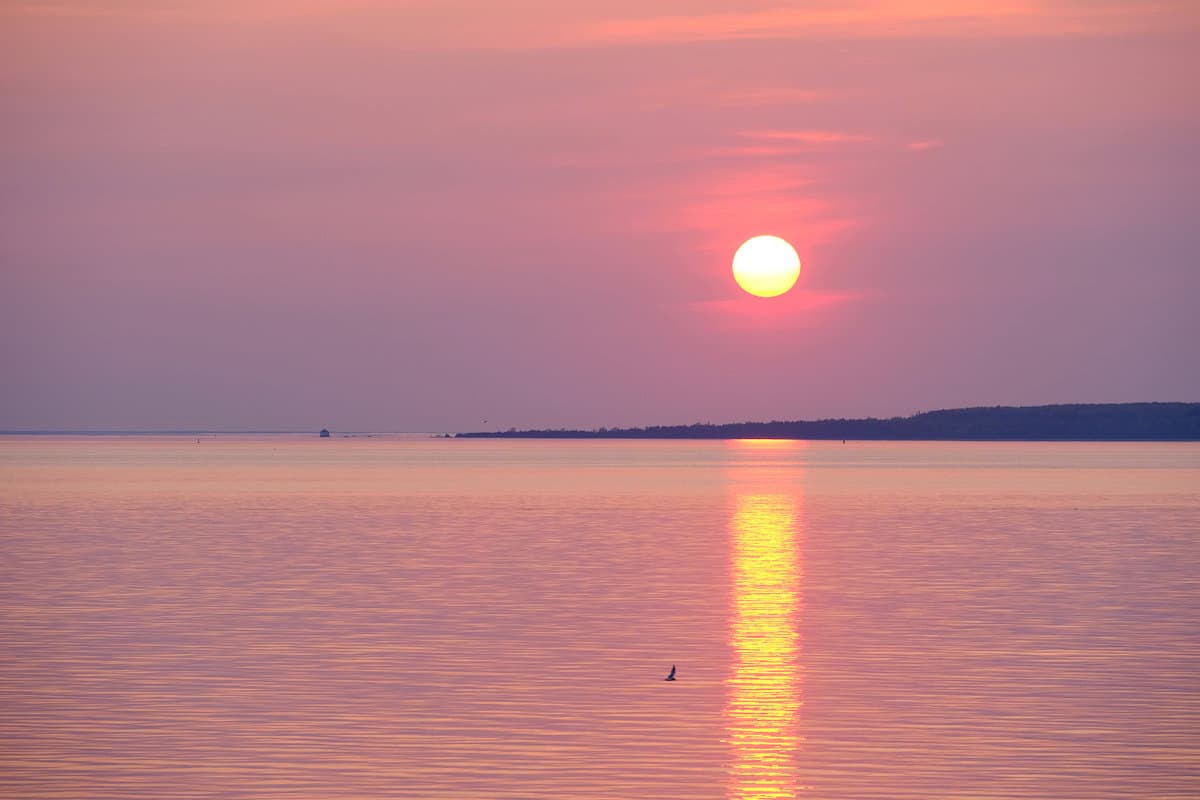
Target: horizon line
x=278, y=432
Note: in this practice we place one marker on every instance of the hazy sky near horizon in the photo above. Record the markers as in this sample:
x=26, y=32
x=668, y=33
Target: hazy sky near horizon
x=420, y=215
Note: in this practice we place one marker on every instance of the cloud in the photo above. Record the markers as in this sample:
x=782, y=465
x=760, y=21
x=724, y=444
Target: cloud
x=807, y=136
x=879, y=18
x=774, y=96
x=798, y=308
x=458, y=25
x=924, y=144
x=783, y=144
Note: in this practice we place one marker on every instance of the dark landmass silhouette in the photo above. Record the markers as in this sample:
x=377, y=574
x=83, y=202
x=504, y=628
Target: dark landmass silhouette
x=1080, y=422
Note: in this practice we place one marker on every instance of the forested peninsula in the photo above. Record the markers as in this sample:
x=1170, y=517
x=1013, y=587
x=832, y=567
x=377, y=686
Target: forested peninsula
x=1079, y=422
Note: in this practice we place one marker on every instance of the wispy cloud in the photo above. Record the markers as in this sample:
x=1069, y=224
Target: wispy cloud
x=890, y=18
x=807, y=136
x=924, y=144
x=798, y=308
x=774, y=96
x=475, y=25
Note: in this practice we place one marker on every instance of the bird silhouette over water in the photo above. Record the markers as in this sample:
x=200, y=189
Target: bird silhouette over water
x=671, y=677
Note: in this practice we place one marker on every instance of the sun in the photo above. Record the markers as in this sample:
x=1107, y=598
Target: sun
x=766, y=266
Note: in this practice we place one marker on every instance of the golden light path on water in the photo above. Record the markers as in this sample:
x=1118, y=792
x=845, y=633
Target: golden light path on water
x=765, y=689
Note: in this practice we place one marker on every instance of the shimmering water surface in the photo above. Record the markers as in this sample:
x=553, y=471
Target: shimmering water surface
x=288, y=617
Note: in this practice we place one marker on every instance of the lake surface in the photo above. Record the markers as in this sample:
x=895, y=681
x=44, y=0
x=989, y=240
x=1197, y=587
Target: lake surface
x=288, y=617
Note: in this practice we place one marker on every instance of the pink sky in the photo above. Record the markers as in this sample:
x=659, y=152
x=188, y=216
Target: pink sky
x=416, y=216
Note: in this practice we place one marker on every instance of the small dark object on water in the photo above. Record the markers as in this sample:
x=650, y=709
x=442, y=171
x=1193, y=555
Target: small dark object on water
x=324, y=433
x=671, y=677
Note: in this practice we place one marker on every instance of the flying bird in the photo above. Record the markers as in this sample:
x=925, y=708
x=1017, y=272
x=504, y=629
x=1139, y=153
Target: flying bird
x=671, y=677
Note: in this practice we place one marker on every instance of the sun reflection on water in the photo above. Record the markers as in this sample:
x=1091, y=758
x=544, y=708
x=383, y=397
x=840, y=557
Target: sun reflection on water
x=764, y=702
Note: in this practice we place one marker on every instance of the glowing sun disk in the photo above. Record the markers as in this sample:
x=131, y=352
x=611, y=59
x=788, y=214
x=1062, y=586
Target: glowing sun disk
x=766, y=266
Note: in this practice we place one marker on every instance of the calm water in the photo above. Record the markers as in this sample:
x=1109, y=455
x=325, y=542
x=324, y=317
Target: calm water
x=285, y=617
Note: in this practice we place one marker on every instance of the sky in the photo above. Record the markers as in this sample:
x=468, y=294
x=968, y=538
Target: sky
x=417, y=216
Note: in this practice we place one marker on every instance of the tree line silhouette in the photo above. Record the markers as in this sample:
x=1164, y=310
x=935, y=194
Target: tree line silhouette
x=1079, y=422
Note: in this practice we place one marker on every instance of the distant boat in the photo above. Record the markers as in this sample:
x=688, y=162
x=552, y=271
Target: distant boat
x=671, y=677
x=324, y=433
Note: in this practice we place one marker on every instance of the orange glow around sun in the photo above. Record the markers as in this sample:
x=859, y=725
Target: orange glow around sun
x=766, y=266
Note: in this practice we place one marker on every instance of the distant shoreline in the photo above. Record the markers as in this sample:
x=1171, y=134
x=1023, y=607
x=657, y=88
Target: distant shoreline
x=1083, y=422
